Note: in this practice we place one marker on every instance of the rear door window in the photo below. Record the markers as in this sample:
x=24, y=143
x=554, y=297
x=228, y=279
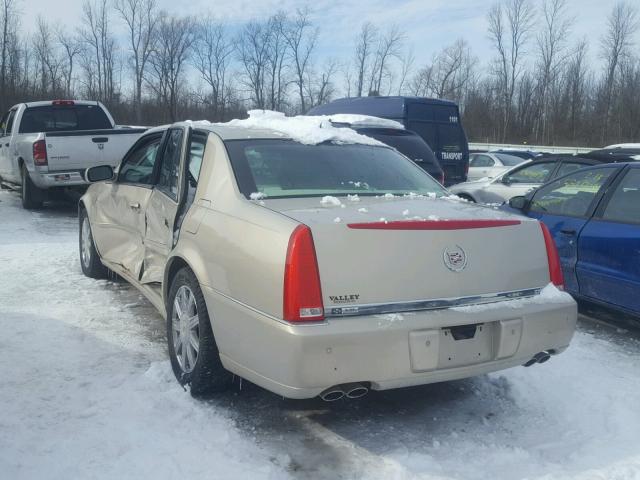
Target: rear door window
x=573, y=195
x=569, y=167
x=624, y=205
x=170, y=167
x=536, y=173
x=479, y=160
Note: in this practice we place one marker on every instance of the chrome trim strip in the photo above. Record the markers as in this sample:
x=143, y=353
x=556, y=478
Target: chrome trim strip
x=420, y=305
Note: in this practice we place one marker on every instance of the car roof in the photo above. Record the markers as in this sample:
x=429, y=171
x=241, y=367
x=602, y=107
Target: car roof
x=47, y=103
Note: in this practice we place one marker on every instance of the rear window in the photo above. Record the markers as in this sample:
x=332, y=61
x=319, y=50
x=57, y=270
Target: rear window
x=407, y=143
x=283, y=169
x=49, y=118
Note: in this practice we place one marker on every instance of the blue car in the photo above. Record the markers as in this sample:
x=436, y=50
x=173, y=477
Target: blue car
x=594, y=217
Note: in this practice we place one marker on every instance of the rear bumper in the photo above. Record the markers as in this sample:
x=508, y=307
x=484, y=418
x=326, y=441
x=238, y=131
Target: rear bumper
x=389, y=351
x=65, y=178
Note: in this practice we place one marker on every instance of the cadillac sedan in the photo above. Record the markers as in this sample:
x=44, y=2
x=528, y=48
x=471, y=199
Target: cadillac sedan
x=312, y=260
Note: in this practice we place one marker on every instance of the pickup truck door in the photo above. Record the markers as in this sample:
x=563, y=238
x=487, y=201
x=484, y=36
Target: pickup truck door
x=608, y=268
x=565, y=206
x=6, y=157
x=119, y=225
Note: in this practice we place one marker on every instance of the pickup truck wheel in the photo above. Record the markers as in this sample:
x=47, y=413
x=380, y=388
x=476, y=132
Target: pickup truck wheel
x=195, y=359
x=31, y=195
x=89, y=259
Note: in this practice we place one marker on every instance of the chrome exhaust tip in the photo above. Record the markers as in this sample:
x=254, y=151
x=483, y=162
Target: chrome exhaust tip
x=539, y=357
x=332, y=394
x=355, y=390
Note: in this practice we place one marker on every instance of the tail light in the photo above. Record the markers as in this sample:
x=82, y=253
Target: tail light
x=63, y=102
x=302, y=293
x=555, y=270
x=40, y=153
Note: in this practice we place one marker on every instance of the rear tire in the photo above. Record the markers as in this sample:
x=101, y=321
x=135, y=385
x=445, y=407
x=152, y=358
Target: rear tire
x=30, y=194
x=90, y=262
x=195, y=358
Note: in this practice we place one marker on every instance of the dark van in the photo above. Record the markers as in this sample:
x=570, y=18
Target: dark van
x=436, y=121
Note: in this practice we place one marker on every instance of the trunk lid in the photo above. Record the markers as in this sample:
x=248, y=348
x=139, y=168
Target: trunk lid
x=379, y=250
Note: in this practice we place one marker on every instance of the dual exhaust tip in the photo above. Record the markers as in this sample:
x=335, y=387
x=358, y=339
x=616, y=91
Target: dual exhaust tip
x=539, y=357
x=348, y=390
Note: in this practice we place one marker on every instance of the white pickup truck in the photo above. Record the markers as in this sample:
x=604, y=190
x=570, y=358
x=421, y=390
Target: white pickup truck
x=47, y=146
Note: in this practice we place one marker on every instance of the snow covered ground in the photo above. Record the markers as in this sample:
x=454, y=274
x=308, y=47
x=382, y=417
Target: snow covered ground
x=87, y=392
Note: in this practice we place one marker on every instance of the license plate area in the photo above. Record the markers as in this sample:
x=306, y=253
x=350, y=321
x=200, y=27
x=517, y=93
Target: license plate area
x=454, y=346
x=466, y=345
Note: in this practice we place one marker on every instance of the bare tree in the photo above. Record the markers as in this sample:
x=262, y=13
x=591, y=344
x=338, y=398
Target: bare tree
x=616, y=44
x=509, y=31
x=8, y=17
x=365, y=45
x=48, y=63
x=406, y=65
x=175, y=38
x=72, y=49
x=276, y=59
x=100, y=57
x=320, y=87
x=141, y=19
x=552, y=55
x=389, y=46
x=301, y=38
x=212, y=56
x=253, y=54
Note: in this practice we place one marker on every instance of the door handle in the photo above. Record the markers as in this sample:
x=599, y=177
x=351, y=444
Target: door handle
x=568, y=231
x=134, y=206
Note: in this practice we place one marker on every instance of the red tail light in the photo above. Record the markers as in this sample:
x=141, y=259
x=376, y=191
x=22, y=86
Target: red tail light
x=555, y=270
x=40, y=153
x=63, y=102
x=302, y=293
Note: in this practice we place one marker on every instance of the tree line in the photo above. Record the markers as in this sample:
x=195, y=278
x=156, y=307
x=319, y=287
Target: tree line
x=149, y=66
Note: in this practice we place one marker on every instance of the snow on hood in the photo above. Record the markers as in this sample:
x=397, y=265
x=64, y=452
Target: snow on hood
x=309, y=130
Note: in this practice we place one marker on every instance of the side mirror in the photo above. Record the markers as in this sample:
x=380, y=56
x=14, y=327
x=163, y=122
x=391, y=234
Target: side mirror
x=519, y=203
x=99, y=173
x=506, y=180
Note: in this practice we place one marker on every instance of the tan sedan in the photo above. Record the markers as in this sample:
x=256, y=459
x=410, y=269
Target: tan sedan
x=315, y=267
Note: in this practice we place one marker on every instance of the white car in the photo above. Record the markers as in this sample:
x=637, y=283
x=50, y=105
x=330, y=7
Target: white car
x=490, y=164
x=521, y=179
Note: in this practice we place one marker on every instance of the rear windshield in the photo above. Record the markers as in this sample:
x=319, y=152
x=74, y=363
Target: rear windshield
x=283, y=169
x=407, y=143
x=50, y=118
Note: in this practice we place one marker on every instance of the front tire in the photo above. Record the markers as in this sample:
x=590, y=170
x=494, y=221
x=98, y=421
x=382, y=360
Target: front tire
x=195, y=359
x=89, y=259
x=30, y=194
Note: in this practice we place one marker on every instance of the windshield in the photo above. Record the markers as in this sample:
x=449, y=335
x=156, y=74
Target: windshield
x=509, y=160
x=283, y=168
x=50, y=118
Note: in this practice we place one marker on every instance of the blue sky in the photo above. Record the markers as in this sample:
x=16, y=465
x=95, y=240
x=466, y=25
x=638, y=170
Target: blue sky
x=429, y=24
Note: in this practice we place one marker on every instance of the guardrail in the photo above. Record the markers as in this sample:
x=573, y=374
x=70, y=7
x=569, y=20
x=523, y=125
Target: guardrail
x=534, y=148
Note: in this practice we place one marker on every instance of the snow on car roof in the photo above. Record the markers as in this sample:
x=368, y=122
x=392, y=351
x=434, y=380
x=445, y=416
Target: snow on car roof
x=363, y=121
x=309, y=130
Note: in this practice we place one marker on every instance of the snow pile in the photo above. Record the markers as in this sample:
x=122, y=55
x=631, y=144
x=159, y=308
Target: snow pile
x=329, y=200
x=306, y=130
x=549, y=294
x=257, y=196
x=363, y=121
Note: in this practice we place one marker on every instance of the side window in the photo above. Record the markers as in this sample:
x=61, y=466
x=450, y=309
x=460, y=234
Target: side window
x=568, y=167
x=138, y=166
x=3, y=123
x=197, y=143
x=482, y=161
x=170, y=167
x=536, y=173
x=573, y=195
x=624, y=205
x=9, y=127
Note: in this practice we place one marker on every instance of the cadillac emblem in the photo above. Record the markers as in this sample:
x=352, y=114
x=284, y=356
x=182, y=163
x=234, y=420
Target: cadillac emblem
x=455, y=258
